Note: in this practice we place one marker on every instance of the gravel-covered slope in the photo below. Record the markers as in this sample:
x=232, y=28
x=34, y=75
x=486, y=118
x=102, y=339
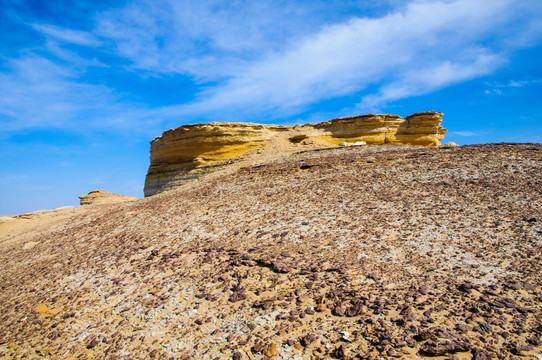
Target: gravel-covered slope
x=363, y=252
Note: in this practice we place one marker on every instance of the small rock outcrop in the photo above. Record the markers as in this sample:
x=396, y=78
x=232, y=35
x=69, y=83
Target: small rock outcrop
x=190, y=151
x=4, y=219
x=103, y=197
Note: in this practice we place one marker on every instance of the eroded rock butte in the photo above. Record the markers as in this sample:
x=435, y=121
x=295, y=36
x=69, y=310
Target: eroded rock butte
x=103, y=197
x=190, y=151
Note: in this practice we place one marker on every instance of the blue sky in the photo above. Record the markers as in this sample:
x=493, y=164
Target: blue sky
x=86, y=85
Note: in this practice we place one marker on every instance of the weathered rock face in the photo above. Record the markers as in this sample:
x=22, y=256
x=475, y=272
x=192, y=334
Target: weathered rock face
x=190, y=151
x=185, y=153
x=103, y=197
x=417, y=129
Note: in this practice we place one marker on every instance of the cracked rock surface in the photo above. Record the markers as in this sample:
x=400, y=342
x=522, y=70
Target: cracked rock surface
x=373, y=252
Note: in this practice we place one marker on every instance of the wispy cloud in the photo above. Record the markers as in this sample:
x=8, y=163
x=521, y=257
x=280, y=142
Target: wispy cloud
x=76, y=37
x=426, y=47
x=532, y=136
x=203, y=39
x=499, y=88
x=422, y=81
x=467, y=133
x=46, y=94
x=523, y=83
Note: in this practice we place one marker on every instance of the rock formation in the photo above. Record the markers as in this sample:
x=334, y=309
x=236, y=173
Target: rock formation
x=4, y=219
x=190, y=151
x=103, y=197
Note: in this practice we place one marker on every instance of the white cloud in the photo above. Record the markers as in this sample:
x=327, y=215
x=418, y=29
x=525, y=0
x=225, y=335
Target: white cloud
x=523, y=83
x=498, y=88
x=465, y=133
x=428, y=46
x=204, y=39
x=42, y=93
x=422, y=81
x=76, y=37
x=493, y=91
x=39, y=93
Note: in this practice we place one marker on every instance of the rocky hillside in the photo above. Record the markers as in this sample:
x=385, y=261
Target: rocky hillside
x=190, y=151
x=374, y=252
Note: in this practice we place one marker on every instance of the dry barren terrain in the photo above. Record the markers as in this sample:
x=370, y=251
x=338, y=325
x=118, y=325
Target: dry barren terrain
x=374, y=252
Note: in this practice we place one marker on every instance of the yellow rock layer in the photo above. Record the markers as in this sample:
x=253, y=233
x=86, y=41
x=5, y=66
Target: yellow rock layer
x=190, y=151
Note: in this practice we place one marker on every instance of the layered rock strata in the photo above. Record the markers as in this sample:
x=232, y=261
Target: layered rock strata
x=190, y=151
x=104, y=197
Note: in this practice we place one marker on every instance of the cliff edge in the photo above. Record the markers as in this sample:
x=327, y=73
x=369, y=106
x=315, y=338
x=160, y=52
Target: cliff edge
x=190, y=151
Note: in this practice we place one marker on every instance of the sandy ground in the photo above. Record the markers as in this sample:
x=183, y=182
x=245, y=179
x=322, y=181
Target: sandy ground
x=374, y=252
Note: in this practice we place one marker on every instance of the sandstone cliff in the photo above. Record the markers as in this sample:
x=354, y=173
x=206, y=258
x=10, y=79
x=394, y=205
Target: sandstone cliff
x=103, y=197
x=190, y=151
